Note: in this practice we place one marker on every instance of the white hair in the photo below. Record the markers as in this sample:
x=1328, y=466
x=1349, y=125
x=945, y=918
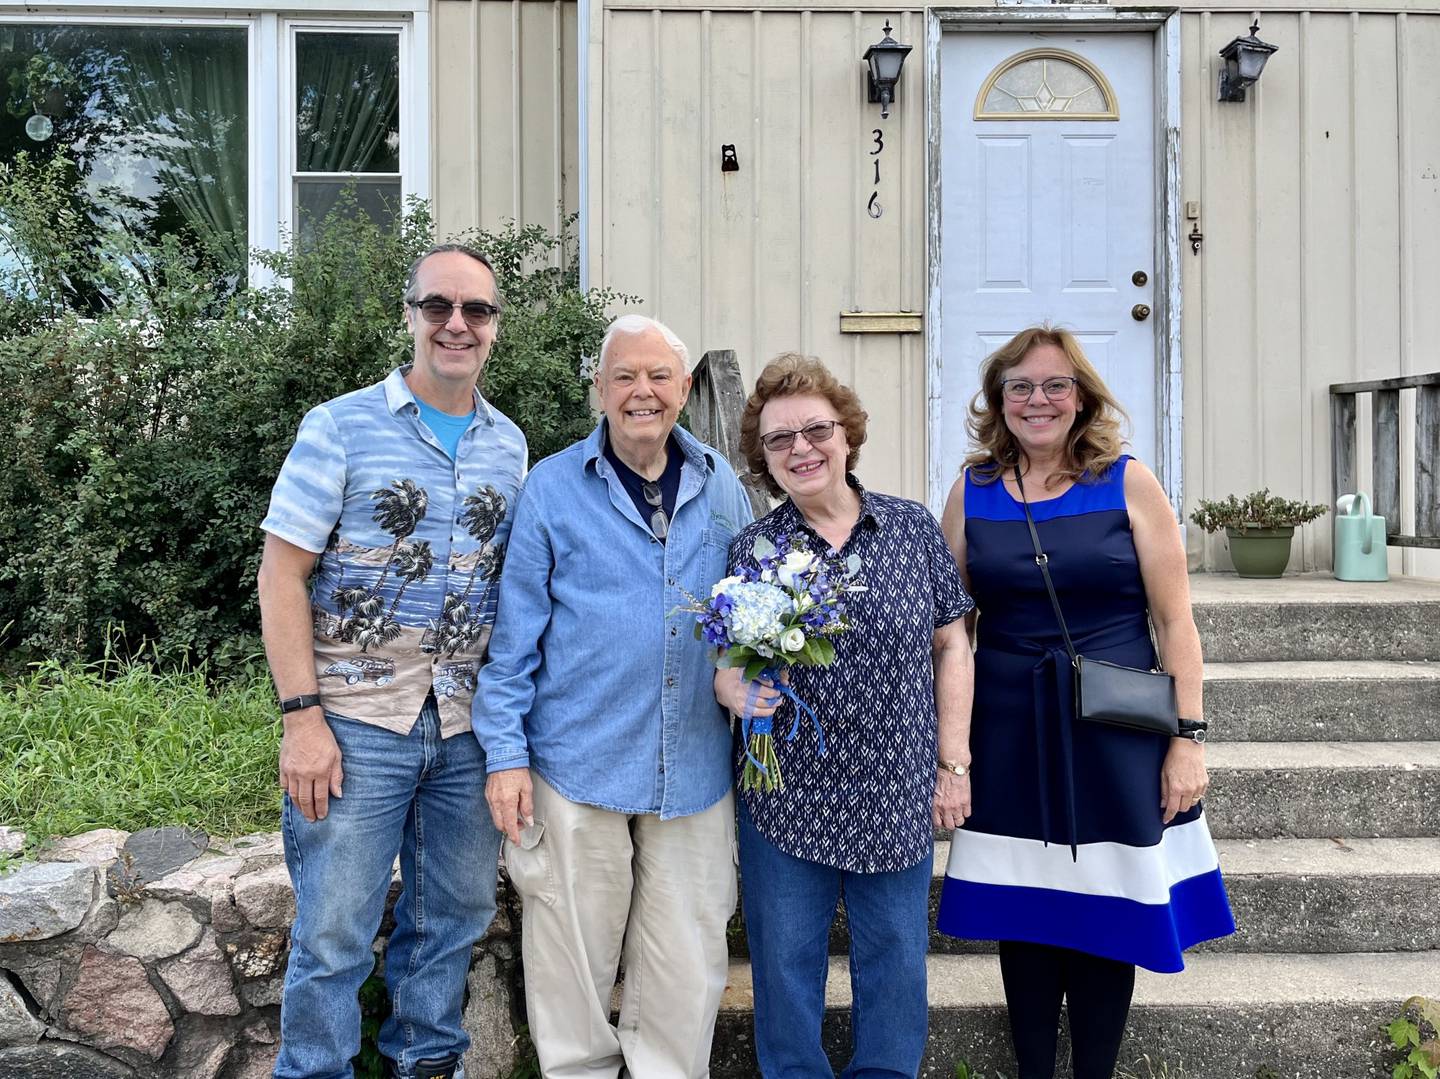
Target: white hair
x=634, y=325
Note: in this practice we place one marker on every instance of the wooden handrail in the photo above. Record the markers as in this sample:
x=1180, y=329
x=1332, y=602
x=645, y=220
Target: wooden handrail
x=1404, y=382
x=1385, y=446
x=717, y=401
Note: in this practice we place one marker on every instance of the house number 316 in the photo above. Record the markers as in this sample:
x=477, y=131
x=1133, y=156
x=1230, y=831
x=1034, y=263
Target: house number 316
x=873, y=207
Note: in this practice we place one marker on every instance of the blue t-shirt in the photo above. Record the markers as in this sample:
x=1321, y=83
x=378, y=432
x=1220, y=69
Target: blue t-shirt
x=445, y=427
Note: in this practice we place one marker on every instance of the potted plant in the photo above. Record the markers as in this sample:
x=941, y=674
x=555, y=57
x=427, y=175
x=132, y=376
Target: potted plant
x=1259, y=528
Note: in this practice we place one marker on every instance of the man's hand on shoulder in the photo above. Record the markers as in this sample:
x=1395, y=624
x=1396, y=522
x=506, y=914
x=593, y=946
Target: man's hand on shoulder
x=310, y=768
x=511, y=796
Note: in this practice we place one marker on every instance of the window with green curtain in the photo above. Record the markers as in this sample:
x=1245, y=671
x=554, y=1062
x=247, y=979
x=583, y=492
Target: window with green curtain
x=153, y=117
x=347, y=130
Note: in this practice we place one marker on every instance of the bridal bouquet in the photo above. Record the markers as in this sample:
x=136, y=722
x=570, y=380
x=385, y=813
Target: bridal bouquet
x=781, y=610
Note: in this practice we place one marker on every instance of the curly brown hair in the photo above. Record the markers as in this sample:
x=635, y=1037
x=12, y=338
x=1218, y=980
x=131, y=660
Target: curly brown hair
x=1095, y=441
x=788, y=375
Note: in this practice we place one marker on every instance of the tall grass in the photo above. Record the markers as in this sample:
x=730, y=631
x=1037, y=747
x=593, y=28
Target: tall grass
x=124, y=746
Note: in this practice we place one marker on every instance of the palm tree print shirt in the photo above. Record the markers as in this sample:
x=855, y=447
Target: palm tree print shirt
x=410, y=543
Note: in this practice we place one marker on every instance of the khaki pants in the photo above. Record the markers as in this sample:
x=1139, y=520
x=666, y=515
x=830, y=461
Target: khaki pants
x=598, y=886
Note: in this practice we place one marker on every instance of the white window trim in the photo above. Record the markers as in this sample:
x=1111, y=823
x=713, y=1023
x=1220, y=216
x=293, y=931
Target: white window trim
x=271, y=91
x=414, y=145
x=110, y=8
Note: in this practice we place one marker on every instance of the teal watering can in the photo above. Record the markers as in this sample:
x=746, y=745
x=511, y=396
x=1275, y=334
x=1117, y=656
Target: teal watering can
x=1359, y=541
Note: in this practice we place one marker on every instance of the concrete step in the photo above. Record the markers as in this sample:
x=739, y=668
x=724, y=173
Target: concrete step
x=1327, y=895
x=1324, y=700
x=1314, y=790
x=1289, y=895
x=1315, y=617
x=1225, y=1017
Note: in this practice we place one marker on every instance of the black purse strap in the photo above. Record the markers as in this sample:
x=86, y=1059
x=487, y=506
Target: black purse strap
x=1043, y=561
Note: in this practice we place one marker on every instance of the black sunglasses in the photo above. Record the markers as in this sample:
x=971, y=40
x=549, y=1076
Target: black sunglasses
x=819, y=431
x=659, y=523
x=476, y=313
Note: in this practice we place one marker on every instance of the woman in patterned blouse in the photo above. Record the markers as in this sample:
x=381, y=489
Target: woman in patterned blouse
x=856, y=823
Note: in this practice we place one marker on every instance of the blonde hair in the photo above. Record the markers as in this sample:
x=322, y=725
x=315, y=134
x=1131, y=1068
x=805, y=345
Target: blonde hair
x=1095, y=441
x=788, y=375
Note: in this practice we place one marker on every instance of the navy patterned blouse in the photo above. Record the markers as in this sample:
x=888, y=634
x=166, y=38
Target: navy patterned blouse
x=865, y=806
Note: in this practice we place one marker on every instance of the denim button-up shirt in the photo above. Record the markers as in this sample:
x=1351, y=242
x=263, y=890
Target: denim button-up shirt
x=410, y=546
x=595, y=678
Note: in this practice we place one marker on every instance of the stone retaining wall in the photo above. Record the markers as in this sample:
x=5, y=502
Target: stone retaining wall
x=161, y=955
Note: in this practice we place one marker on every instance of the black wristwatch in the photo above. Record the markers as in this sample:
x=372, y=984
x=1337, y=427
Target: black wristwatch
x=295, y=704
x=1193, y=729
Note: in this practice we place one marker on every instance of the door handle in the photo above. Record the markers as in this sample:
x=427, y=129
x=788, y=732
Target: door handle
x=1140, y=312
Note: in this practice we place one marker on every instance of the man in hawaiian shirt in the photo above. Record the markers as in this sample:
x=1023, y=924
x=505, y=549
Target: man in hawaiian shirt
x=609, y=757
x=397, y=498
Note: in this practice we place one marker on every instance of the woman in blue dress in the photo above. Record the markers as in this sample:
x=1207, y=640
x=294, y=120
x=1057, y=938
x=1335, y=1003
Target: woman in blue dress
x=1087, y=852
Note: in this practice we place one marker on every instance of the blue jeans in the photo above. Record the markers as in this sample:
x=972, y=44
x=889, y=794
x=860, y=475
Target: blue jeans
x=422, y=798
x=789, y=904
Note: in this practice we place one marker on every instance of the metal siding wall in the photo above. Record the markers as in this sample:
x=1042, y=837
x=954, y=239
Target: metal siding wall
x=1319, y=204
x=505, y=117
x=1317, y=214
x=764, y=260
x=1419, y=37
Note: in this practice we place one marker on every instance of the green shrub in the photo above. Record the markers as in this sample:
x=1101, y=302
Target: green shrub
x=121, y=746
x=40, y=240
x=148, y=422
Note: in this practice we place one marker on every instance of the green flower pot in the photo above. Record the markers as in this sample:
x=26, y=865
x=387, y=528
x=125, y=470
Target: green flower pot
x=1260, y=552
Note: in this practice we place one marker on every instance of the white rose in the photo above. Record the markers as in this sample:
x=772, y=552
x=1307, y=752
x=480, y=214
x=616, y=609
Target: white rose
x=720, y=586
x=796, y=564
x=793, y=639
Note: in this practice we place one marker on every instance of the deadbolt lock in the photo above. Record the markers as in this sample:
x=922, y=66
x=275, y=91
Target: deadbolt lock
x=1140, y=312
x=1138, y=278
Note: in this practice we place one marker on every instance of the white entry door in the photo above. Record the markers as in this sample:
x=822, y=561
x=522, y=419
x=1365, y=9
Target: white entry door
x=1048, y=190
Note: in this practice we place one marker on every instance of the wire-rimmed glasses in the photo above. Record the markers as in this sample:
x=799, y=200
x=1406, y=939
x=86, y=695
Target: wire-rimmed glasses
x=1057, y=388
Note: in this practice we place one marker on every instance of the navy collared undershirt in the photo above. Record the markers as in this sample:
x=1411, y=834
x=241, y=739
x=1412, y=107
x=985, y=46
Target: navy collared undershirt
x=634, y=483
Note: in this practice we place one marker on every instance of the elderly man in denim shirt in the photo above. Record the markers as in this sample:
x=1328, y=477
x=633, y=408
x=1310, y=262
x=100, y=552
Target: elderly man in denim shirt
x=397, y=499
x=608, y=756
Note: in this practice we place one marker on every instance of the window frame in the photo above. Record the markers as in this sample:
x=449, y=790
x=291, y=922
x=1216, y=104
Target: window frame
x=1048, y=52
x=270, y=40
x=292, y=28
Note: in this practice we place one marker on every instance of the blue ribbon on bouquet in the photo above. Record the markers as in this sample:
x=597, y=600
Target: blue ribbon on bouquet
x=750, y=723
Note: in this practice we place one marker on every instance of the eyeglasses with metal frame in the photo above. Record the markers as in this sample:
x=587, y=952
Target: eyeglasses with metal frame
x=659, y=522
x=815, y=433
x=1055, y=389
x=476, y=313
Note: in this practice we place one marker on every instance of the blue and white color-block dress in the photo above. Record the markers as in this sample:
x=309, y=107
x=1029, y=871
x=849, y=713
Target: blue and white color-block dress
x=1066, y=845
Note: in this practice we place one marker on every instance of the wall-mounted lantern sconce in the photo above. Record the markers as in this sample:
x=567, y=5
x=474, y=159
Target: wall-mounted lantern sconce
x=1244, y=60
x=883, y=62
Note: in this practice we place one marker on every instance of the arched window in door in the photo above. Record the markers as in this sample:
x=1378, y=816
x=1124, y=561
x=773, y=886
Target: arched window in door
x=1046, y=84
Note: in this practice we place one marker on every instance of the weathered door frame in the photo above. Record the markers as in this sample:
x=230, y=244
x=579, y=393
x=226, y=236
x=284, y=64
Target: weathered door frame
x=1164, y=22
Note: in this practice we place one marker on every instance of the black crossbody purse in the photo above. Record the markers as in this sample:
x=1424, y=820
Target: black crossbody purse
x=1108, y=692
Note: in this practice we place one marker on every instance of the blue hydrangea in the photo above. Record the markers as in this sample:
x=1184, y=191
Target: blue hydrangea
x=758, y=613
